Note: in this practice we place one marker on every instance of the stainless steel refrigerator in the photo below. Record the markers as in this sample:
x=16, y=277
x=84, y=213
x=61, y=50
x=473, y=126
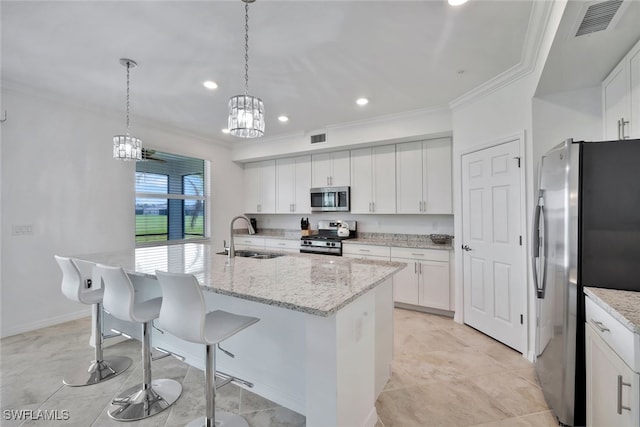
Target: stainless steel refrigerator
x=586, y=232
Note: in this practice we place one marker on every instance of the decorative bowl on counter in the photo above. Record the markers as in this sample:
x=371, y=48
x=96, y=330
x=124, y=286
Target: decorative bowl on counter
x=440, y=239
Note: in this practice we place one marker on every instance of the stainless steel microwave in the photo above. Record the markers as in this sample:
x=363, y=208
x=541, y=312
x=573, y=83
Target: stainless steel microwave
x=330, y=199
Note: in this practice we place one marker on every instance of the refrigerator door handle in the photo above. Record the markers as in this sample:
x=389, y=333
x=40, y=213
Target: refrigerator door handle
x=539, y=259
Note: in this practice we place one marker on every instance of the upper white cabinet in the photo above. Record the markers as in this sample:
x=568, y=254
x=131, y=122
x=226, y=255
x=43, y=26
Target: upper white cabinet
x=293, y=178
x=330, y=169
x=621, y=98
x=423, y=177
x=260, y=187
x=373, y=180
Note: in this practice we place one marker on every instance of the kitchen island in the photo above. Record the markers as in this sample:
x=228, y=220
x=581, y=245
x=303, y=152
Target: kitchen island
x=323, y=346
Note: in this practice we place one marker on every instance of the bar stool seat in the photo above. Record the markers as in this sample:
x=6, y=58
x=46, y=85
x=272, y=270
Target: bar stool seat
x=75, y=287
x=150, y=397
x=184, y=315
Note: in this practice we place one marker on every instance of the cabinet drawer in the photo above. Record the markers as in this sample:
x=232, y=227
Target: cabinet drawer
x=615, y=334
x=369, y=250
x=421, y=254
x=249, y=241
x=283, y=244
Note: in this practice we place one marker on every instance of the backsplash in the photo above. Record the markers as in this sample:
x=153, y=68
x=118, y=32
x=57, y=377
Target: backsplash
x=386, y=224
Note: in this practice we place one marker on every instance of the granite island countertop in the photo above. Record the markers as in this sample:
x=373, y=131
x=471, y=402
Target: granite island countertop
x=622, y=305
x=314, y=284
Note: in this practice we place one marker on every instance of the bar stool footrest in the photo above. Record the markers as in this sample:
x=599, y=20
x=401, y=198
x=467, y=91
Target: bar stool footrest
x=225, y=376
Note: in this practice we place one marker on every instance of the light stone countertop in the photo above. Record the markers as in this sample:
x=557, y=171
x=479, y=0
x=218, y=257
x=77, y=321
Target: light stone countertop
x=622, y=305
x=417, y=241
x=314, y=284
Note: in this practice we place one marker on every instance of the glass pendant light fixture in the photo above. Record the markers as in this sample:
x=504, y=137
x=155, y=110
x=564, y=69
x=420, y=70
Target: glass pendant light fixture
x=246, y=112
x=127, y=147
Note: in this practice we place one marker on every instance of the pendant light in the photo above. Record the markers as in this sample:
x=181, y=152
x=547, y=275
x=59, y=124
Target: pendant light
x=246, y=112
x=127, y=147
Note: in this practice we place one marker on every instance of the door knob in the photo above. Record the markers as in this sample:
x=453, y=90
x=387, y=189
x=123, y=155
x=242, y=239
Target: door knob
x=466, y=247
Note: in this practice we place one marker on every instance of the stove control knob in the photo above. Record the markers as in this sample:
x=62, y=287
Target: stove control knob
x=333, y=244
x=328, y=243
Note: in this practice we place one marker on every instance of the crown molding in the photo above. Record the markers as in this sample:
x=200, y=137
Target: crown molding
x=538, y=22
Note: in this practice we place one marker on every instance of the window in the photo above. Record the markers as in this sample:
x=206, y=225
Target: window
x=171, y=197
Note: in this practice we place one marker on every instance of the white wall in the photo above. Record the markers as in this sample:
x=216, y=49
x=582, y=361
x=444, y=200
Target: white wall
x=407, y=126
x=58, y=176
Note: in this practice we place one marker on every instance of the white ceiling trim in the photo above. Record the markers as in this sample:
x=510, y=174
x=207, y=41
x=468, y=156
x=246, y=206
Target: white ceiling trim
x=538, y=21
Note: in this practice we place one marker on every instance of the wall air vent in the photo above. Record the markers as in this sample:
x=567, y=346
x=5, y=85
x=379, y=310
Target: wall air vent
x=317, y=138
x=599, y=16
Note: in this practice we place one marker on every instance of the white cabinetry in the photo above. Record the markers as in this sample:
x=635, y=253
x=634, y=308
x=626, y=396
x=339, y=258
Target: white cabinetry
x=330, y=169
x=354, y=250
x=373, y=180
x=248, y=242
x=260, y=187
x=425, y=282
x=293, y=178
x=423, y=177
x=282, y=245
x=621, y=98
x=613, y=397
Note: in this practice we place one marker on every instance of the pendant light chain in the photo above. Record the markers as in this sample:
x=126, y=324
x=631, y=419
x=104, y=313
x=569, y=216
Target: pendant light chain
x=128, y=96
x=246, y=49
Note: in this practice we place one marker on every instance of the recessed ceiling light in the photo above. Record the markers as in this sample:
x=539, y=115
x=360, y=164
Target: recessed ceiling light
x=210, y=84
x=283, y=119
x=225, y=130
x=457, y=2
x=362, y=101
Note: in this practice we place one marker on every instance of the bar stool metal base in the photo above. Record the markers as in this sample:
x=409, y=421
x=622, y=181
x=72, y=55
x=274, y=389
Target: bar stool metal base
x=102, y=370
x=136, y=403
x=223, y=419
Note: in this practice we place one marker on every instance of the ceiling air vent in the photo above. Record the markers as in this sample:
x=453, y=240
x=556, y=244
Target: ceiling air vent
x=317, y=138
x=599, y=16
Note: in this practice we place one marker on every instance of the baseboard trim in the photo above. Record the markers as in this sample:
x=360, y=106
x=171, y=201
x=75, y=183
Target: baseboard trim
x=429, y=310
x=51, y=321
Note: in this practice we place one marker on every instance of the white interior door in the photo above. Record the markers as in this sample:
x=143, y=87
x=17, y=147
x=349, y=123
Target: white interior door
x=492, y=257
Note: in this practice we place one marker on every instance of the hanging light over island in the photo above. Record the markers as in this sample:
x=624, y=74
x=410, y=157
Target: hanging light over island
x=246, y=112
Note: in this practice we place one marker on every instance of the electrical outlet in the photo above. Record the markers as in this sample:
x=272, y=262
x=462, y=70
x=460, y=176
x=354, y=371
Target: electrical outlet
x=21, y=229
x=87, y=283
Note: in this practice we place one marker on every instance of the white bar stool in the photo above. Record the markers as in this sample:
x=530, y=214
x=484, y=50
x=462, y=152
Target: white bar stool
x=184, y=314
x=150, y=397
x=75, y=286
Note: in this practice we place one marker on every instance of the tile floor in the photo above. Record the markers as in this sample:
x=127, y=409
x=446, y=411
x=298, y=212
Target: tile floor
x=444, y=374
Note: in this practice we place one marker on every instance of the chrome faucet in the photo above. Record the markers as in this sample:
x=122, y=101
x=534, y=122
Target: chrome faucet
x=232, y=250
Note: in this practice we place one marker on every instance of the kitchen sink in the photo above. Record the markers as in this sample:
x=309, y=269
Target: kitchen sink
x=254, y=254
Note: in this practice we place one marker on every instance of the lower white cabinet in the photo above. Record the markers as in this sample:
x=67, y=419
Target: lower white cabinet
x=282, y=245
x=354, y=250
x=613, y=397
x=248, y=242
x=425, y=282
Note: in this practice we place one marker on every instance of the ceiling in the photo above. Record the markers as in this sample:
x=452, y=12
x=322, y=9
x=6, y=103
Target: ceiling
x=309, y=60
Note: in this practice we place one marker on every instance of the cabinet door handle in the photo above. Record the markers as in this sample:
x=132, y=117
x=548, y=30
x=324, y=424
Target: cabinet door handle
x=373, y=206
x=417, y=254
x=620, y=405
x=420, y=269
x=415, y=268
x=600, y=326
x=619, y=129
x=364, y=250
x=281, y=244
x=623, y=123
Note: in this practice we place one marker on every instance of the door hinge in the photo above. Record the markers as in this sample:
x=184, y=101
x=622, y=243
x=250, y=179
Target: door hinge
x=520, y=240
x=521, y=319
x=518, y=159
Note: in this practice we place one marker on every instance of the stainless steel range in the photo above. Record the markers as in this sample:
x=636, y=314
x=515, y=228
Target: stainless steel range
x=329, y=239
